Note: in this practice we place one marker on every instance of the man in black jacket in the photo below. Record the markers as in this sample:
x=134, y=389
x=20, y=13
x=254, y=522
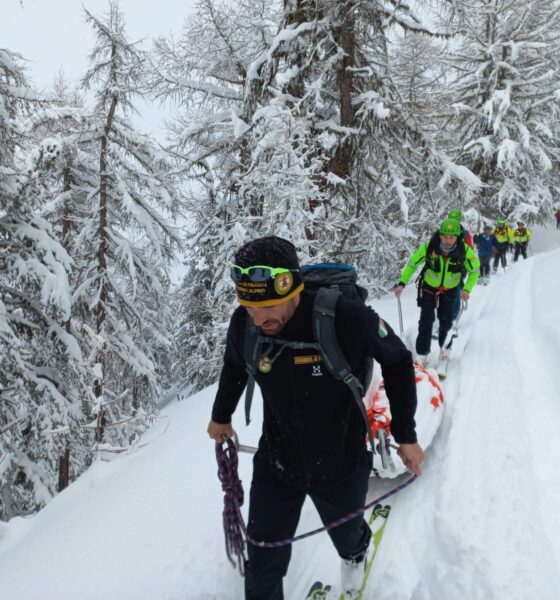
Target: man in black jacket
x=313, y=440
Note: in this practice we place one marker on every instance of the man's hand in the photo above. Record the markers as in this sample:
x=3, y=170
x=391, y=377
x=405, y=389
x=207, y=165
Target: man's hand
x=398, y=290
x=412, y=456
x=465, y=295
x=217, y=431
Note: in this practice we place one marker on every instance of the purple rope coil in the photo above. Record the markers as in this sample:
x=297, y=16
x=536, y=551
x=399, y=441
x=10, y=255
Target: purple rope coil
x=233, y=500
x=233, y=519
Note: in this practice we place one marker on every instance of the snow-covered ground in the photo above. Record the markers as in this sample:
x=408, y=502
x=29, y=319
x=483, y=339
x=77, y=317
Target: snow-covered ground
x=481, y=523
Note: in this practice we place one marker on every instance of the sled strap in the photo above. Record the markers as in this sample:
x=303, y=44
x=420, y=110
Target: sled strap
x=324, y=331
x=234, y=525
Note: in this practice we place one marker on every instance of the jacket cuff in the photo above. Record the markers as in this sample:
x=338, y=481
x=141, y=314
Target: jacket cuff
x=406, y=438
x=413, y=440
x=221, y=419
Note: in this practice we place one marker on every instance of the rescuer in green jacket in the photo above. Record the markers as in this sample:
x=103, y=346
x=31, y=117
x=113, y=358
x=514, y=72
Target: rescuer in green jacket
x=445, y=260
x=504, y=236
x=521, y=237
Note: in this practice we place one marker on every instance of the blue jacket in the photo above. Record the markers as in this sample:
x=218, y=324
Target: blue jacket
x=485, y=242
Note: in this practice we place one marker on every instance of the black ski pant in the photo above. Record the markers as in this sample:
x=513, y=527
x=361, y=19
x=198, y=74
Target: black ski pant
x=501, y=255
x=484, y=265
x=274, y=512
x=432, y=300
x=520, y=248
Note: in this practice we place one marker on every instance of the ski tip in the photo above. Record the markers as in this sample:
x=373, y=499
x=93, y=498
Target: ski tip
x=381, y=511
x=318, y=591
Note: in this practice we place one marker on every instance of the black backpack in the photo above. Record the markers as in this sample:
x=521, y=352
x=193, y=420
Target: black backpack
x=330, y=281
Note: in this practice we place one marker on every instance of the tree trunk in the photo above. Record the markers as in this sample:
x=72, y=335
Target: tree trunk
x=67, y=225
x=64, y=470
x=6, y=502
x=101, y=309
x=340, y=164
x=137, y=386
x=100, y=425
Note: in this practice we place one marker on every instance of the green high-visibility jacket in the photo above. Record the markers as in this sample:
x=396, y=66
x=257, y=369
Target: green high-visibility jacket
x=503, y=234
x=521, y=235
x=443, y=271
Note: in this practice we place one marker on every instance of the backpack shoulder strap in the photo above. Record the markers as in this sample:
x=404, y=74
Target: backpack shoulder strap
x=430, y=248
x=324, y=331
x=251, y=346
x=324, y=312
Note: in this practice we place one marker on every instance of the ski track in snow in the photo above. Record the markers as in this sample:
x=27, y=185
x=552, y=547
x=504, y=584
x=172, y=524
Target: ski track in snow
x=483, y=521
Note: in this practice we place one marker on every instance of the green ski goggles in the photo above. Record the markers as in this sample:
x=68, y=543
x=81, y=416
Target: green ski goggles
x=258, y=273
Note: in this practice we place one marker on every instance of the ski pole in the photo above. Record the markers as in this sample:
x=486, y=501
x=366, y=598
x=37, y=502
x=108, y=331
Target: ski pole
x=384, y=452
x=401, y=328
x=452, y=332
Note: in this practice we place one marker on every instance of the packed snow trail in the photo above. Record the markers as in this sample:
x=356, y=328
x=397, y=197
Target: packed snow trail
x=481, y=523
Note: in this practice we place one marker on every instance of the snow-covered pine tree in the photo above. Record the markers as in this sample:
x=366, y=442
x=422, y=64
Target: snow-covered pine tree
x=506, y=102
x=397, y=176
x=205, y=73
x=304, y=123
x=415, y=63
x=15, y=93
x=293, y=119
x=63, y=161
x=125, y=242
x=201, y=317
x=61, y=172
x=40, y=363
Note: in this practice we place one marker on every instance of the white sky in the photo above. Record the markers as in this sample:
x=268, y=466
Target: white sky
x=52, y=35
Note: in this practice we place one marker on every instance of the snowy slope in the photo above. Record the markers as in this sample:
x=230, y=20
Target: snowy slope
x=481, y=523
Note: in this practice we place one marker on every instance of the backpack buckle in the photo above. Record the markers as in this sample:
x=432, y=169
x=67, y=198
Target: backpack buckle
x=347, y=377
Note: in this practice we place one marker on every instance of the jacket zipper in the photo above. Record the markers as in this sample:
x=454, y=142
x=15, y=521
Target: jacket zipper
x=299, y=426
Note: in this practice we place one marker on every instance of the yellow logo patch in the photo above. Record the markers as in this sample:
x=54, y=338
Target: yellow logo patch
x=307, y=360
x=283, y=283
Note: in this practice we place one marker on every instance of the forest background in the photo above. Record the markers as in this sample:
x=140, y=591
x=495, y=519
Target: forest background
x=349, y=127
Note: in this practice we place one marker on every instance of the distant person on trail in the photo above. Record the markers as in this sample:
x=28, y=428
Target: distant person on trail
x=557, y=215
x=456, y=214
x=486, y=244
x=504, y=238
x=313, y=440
x=465, y=235
x=521, y=237
x=444, y=261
